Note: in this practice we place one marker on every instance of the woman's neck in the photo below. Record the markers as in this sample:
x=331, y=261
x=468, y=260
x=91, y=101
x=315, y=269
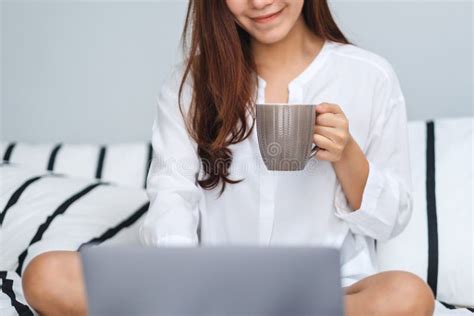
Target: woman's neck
x=300, y=44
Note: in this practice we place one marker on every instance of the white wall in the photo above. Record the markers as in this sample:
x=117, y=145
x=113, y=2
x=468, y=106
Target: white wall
x=89, y=71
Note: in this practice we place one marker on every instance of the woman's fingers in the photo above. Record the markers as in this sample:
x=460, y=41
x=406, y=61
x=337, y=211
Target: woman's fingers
x=331, y=120
x=328, y=132
x=328, y=108
x=323, y=154
x=322, y=142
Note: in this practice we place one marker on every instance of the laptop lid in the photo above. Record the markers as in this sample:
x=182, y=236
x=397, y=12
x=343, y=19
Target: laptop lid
x=141, y=280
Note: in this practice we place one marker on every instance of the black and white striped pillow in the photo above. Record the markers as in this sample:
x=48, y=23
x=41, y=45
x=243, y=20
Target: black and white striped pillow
x=437, y=244
x=43, y=211
x=12, y=300
x=126, y=164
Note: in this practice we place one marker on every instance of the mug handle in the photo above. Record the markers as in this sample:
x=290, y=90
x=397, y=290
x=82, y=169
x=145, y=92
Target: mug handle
x=315, y=148
x=313, y=151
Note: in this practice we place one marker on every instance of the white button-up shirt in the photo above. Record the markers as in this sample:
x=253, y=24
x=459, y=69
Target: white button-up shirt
x=303, y=208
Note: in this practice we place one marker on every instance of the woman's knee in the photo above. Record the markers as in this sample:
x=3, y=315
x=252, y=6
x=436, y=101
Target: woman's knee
x=38, y=277
x=47, y=282
x=407, y=294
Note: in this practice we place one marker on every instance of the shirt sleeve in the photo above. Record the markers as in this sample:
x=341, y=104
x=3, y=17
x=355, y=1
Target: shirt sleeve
x=173, y=215
x=387, y=199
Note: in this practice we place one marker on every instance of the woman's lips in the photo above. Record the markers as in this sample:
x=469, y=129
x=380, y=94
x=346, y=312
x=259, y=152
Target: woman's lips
x=267, y=18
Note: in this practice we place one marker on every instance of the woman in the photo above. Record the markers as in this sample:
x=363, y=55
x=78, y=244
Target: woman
x=207, y=173
x=207, y=182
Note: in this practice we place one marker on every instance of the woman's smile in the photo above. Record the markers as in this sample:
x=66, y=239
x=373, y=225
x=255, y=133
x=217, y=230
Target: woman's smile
x=267, y=18
x=266, y=21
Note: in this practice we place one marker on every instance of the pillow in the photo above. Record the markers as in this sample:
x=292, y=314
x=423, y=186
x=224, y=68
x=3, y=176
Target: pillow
x=12, y=300
x=44, y=211
x=126, y=164
x=437, y=244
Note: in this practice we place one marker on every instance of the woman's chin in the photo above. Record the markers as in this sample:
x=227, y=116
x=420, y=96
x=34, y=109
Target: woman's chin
x=269, y=37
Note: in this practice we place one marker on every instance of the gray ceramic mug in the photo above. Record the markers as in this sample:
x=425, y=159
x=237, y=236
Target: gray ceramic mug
x=285, y=135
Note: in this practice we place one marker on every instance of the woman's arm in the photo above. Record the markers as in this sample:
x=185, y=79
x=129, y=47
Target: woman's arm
x=173, y=216
x=387, y=201
x=337, y=145
x=352, y=171
x=374, y=192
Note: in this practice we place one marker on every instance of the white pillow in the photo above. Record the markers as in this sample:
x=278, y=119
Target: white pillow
x=126, y=164
x=437, y=244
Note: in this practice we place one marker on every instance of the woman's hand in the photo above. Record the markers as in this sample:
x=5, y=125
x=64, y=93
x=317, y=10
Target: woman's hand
x=331, y=132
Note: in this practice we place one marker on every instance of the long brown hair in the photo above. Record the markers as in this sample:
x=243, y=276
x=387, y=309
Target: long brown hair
x=220, y=62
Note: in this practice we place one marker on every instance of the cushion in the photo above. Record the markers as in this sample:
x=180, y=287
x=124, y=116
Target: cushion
x=43, y=211
x=437, y=244
x=126, y=164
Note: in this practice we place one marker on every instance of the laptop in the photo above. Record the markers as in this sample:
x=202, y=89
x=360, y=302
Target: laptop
x=258, y=281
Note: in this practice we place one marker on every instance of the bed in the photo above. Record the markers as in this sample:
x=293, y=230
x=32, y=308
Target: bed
x=63, y=196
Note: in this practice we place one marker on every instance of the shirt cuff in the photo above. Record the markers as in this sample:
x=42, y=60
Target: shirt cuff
x=149, y=236
x=364, y=220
